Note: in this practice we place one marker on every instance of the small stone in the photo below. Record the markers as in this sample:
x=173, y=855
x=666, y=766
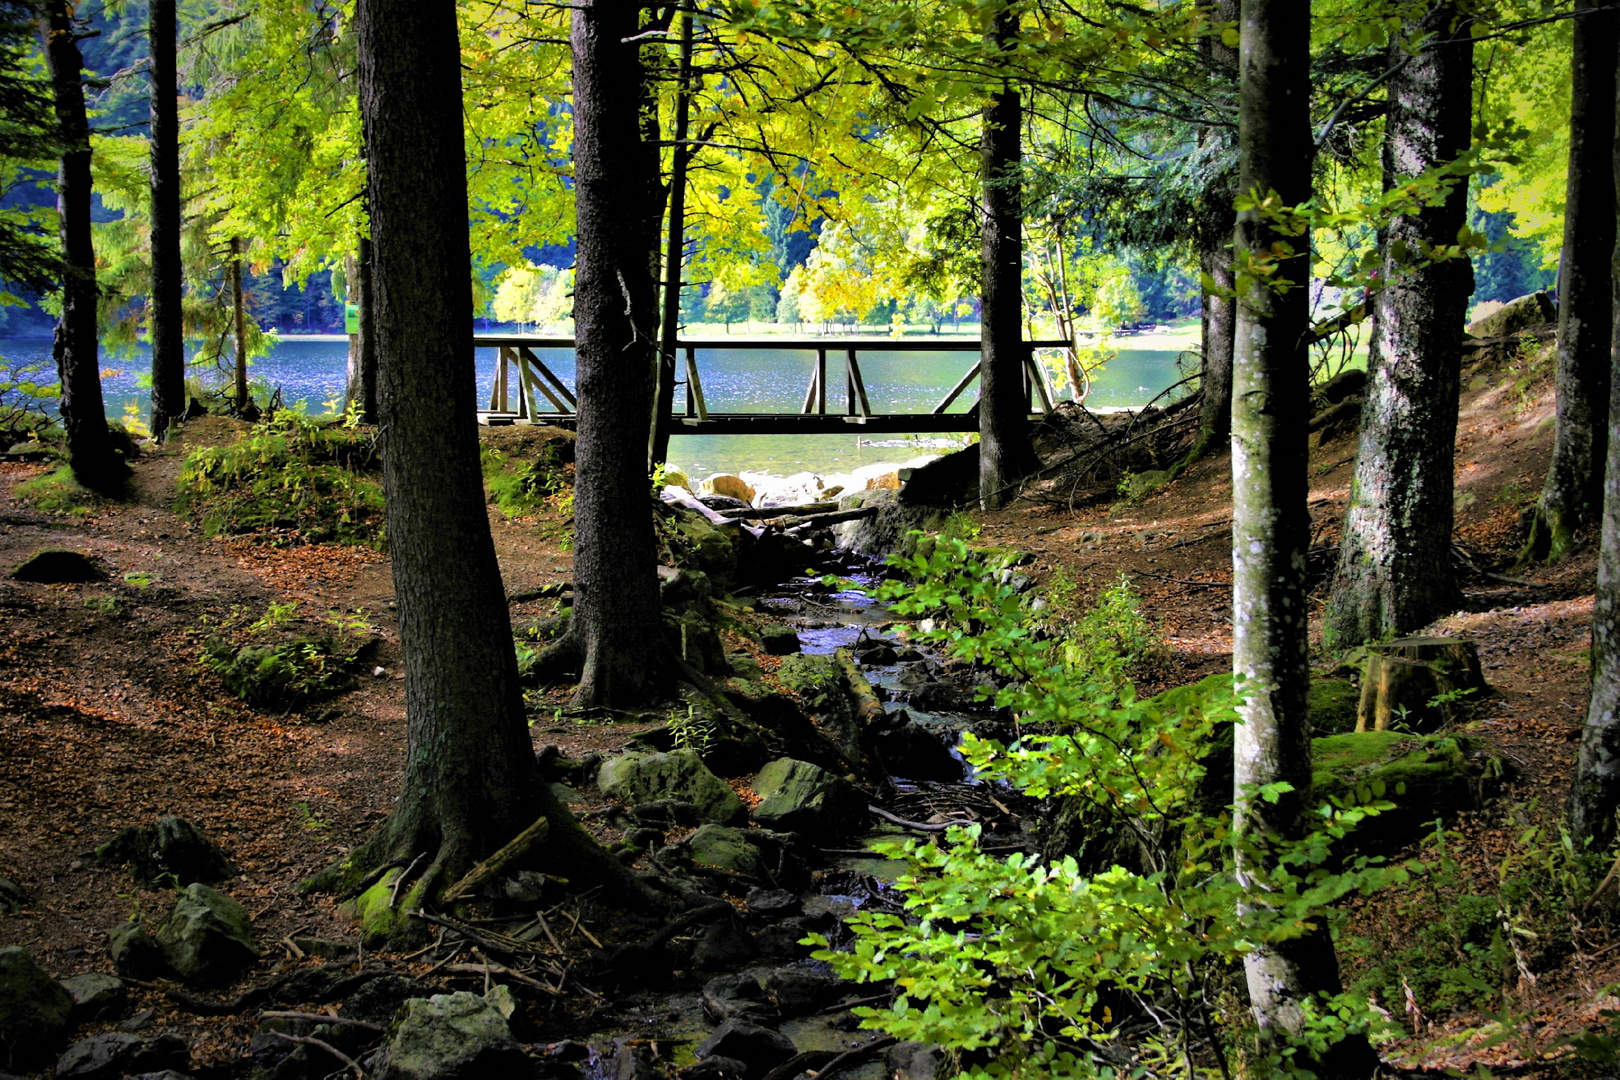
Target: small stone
x=715, y=1068
x=207, y=936
x=727, y=848
x=759, y=1049
x=34, y=1009
x=379, y=673
x=322, y=948
x=95, y=995
x=12, y=897
x=798, y=990
x=139, y=1022
x=114, y=1054
x=54, y=566
x=779, y=640
x=772, y=903
x=728, y=996
x=135, y=953
x=456, y=1036
x=913, y=1061
x=725, y=944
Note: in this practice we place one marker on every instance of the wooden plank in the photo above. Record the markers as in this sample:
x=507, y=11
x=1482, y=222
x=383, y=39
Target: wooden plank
x=534, y=382
x=694, y=384
x=956, y=391
x=821, y=382
x=1037, y=380
x=525, y=390
x=953, y=343
x=495, y=382
x=500, y=399
x=809, y=393
x=858, y=386
x=551, y=377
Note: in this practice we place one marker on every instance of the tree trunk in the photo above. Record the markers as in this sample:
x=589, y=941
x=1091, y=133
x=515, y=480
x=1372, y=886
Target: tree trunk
x=244, y=401
x=1218, y=321
x=674, y=253
x=1270, y=523
x=616, y=610
x=75, y=348
x=1572, y=497
x=1005, y=453
x=471, y=783
x=1595, y=795
x=167, y=326
x=1395, y=571
x=361, y=377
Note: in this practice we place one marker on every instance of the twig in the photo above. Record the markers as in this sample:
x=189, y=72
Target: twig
x=370, y=879
x=850, y=1057
x=489, y=967
x=325, y=1018
x=399, y=882
x=545, y=928
x=1189, y=584
x=309, y=1040
x=920, y=826
x=1614, y=871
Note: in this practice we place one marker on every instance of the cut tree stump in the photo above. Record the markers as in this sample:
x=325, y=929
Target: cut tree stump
x=1419, y=681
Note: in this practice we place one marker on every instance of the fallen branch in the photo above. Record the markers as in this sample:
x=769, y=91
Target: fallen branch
x=490, y=867
x=850, y=1057
x=399, y=882
x=323, y=1018
x=490, y=968
x=920, y=826
x=868, y=709
x=309, y=1040
x=779, y=511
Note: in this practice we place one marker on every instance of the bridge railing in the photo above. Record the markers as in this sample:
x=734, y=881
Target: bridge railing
x=522, y=380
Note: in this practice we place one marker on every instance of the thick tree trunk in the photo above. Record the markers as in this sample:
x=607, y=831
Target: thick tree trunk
x=1395, y=570
x=1218, y=321
x=75, y=348
x=244, y=401
x=616, y=610
x=1270, y=523
x=166, y=326
x=674, y=254
x=470, y=779
x=1572, y=497
x=361, y=378
x=1595, y=796
x=1005, y=453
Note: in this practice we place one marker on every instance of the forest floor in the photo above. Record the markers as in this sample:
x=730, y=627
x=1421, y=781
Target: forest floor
x=106, y=719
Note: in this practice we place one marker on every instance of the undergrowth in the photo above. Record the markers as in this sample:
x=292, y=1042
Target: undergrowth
x=280, y=661
x=290, y=479
x=522, y=488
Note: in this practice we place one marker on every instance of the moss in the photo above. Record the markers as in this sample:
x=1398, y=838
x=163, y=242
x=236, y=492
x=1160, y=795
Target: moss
x=1426, y=777
x=382, y=922
x=1332, y=704
x=57, y=492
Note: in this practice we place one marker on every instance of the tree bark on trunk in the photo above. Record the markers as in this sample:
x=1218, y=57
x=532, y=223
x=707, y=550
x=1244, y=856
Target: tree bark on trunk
x=361, y=377
x=470, y=783
x=167, y=326
x=1595, y=795
x=1270, y=522
x=1005, y=453
x=74, y=347
x=244, y=400
x=616, y=608
x=1572, y=497
x=674, y=253
x=1218, y=321
x=1395, y=571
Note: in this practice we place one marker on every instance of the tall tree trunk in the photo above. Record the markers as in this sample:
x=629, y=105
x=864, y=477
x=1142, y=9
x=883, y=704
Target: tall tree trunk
x=361, y=378
x=470, y=779
x=1595, y=795
x=616, y=609
x=1572, y=497
x=244, y=401
x=1005, y=453
x=167, y=327
x=1218, y=321
x=84, y=417
x=1395, y=569
x=1270, y=523
x=674, y=253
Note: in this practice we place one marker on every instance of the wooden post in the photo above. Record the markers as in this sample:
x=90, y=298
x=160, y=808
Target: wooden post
x=694, y=385
x=821, y=382
x=956, y=391
x=858, y=386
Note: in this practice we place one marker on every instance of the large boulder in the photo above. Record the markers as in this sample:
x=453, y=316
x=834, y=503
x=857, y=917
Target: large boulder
x=115, y=1053
x=805, y=798
x=95, y=995
x=1515, y=316
x=207, y=937
x=733, y=487
x=135, y=953
x=34, y=1011
x=699, y=545
x=679, y=775
x=727, y=848
x=170, y=851
x=54, y=566
x=458, y=1036
x=822, y=685
x=758, y=1048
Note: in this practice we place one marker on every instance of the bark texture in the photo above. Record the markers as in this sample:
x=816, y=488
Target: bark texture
x=166, y=326
x=680, y=156
x=1005, y=453
x=74, y=347
x=1595, y=796
x=1218, y=321
x=1270, y=523
x=361, y=377
x=1572, y=497
x=1394, y=574
x=244, y=400
x=616, y=609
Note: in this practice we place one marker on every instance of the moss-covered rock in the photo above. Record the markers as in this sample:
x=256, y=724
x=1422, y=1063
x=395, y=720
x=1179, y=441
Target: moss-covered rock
x=727, y=848
x=1332, y=704
x=807, y=799
x=698, y=545
x=34, y=1010
x=207, y=937
x=1426, y=777
x=450, y=1037
x=678, y=775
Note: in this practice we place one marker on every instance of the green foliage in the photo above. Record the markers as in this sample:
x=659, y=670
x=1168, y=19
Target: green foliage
x=289, y=479
x=58, y=492
x=272, y=662
x=694, y=730
x=1032, y=969
x=24, y=394
x=521, y=488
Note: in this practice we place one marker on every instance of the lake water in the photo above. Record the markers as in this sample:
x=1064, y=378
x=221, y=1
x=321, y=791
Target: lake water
x=311, y=371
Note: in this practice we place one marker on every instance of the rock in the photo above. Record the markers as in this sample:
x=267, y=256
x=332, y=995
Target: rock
x=207, y=936
x=55, y=566
x=821, y=684
x=676, y=478
x=913, y=752
x=1426, y=777
x=948, y=481
x=779, y=640
x=722, y=502
x=781, y=941
x=684, y=587
x=114, y=1054
x=679, y=775
x=698, y=642
x=798, y=990
x=95, y=995
x=166, y=1074
x=725, y=944
x=379, y=999
x=729, y=485
x=457, y=1036
x=913, y=1061
x=715, y=1068
x=736, y=995
x=170, y=848
x=759, y=1049
x=805, y=798
x=12, y=897
x=876, y=654
x=698, y=545
x=744, y=667
x=885, y=481
x=772, y=903
x=34, y=1010
x=1514, y=316
x=727, y=848
x=135, y=953
x=632, y=1062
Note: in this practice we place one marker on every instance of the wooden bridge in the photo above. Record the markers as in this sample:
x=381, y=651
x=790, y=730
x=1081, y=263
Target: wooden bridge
x=524, y=386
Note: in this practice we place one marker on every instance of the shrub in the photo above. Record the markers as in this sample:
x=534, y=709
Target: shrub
x=276, y=662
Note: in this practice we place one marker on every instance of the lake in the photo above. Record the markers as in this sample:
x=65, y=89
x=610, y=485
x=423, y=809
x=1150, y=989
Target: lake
x=311, y=370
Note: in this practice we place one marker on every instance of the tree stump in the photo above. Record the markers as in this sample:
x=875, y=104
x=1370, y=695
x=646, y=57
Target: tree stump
x=1420, y=681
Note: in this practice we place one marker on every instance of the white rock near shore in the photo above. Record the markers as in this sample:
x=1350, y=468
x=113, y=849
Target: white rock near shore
x=808, y=487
